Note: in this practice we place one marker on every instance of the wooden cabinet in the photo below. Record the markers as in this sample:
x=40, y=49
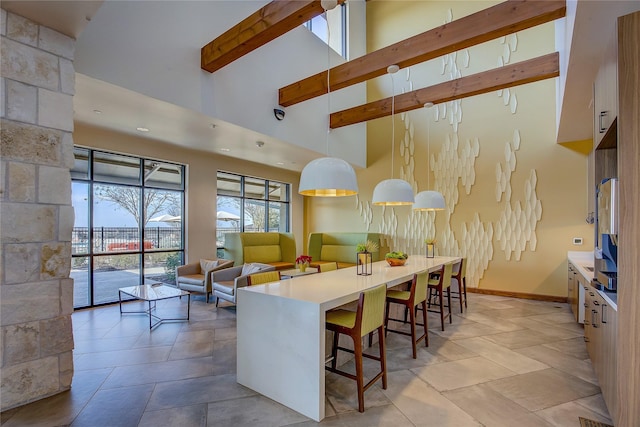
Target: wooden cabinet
x=571, y=289
x=581, y=283
x=575, y=292
x=605, y=97
x=600, y=331
x=628, y=388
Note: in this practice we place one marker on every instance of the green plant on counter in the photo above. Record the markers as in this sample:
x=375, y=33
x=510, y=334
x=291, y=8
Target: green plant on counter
x=368, y=246
x=397, y=255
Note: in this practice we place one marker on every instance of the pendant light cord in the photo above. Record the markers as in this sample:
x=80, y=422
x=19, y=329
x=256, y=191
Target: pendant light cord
x=428, y=152
x=326, y=18
x=393, y=123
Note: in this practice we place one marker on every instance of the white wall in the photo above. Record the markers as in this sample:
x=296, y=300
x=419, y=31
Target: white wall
x=153, y=47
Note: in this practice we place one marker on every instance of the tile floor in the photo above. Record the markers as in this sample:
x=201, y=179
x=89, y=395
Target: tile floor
x=504, y=362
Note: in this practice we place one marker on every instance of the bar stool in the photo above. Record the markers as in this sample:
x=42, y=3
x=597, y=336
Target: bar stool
x=416, y=295
x=439, y=285
x=261, y=278
x=459, y=274
x=327, y=266
x=368, y=317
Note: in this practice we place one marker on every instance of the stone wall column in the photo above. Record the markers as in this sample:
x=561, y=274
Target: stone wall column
x=36, y=217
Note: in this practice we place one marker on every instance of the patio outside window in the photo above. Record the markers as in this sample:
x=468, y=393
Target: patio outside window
x=128, y=226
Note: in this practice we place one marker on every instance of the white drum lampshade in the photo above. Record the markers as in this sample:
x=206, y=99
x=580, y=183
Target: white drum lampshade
x=328, y=177
x=429, y=201
x=393, y=192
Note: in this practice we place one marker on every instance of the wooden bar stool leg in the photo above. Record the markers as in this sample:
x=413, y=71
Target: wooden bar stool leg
x=424, y=323
x=439, y=294
x=460, y=295
x=449, y=303
x=464, y=281
x=357, y=350
x=386, y=317
x=412, y=315
x=383, y=356
x=334, y=350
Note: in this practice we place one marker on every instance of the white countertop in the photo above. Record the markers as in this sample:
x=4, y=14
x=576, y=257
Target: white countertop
x=334, y=288
x=583, y=259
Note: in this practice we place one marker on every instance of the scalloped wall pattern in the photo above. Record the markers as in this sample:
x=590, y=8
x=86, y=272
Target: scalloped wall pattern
x=453, y=166
x=517, y=226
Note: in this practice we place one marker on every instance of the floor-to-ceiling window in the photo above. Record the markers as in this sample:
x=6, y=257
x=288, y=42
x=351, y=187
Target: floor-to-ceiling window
x=128, y=227
x=251, y=204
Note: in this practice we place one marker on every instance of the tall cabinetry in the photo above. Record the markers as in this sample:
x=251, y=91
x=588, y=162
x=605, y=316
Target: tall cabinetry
x=617, y=154
x=628, y=348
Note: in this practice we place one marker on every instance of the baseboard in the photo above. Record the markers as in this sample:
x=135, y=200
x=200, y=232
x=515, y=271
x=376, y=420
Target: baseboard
x=522, y=295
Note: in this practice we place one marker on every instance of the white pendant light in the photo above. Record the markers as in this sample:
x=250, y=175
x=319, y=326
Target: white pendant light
x=429, y=200
x=393, y=192
x=328, y=176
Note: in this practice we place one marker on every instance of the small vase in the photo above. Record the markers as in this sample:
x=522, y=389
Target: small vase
x=302, y=267
x=431, y=250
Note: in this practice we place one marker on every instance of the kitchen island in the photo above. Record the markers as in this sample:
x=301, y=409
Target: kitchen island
x=281, y=329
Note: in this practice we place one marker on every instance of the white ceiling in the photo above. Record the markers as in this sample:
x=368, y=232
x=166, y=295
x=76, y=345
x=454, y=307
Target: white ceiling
x=123, y=110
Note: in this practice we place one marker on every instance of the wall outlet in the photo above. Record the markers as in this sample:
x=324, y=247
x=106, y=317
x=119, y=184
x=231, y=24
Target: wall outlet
x=577, y=240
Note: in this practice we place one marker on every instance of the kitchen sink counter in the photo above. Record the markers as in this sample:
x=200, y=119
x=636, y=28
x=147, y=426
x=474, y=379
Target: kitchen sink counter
x=583, y=261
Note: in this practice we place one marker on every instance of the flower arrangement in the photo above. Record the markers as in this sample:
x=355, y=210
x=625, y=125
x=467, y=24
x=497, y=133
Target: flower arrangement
x=303, y=259
x=430, y=241
x=368, y=246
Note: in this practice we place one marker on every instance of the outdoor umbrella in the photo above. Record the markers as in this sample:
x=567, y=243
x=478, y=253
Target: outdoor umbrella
x=227, y=216
x=165, y=218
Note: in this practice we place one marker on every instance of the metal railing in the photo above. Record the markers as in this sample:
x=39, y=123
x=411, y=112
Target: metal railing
x=125, y=239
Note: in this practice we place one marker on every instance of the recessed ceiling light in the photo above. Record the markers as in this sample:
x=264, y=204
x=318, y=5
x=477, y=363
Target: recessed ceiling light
x=259, y=144
x=280, y=163
x=141, y=129
x=225, y=149
x=97, y=111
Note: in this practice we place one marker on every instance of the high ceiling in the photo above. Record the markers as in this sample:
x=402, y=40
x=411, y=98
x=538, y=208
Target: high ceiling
x=128, y=110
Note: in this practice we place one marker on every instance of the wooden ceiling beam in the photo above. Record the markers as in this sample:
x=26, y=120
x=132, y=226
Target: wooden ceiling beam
x=263, y=26
x=497, y=21
x=532, y=70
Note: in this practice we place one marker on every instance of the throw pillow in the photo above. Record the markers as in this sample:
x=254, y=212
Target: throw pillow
x=208, y=264
x=250, y=269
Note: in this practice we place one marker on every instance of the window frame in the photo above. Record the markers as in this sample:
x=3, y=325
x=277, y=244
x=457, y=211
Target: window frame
x=93, y=255
x=243, y=196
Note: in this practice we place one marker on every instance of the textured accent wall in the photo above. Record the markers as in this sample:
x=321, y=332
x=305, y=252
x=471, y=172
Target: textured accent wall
x=37, y=86
x=514, y=198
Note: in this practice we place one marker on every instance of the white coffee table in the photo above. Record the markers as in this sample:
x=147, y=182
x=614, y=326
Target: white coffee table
x=152, y=294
